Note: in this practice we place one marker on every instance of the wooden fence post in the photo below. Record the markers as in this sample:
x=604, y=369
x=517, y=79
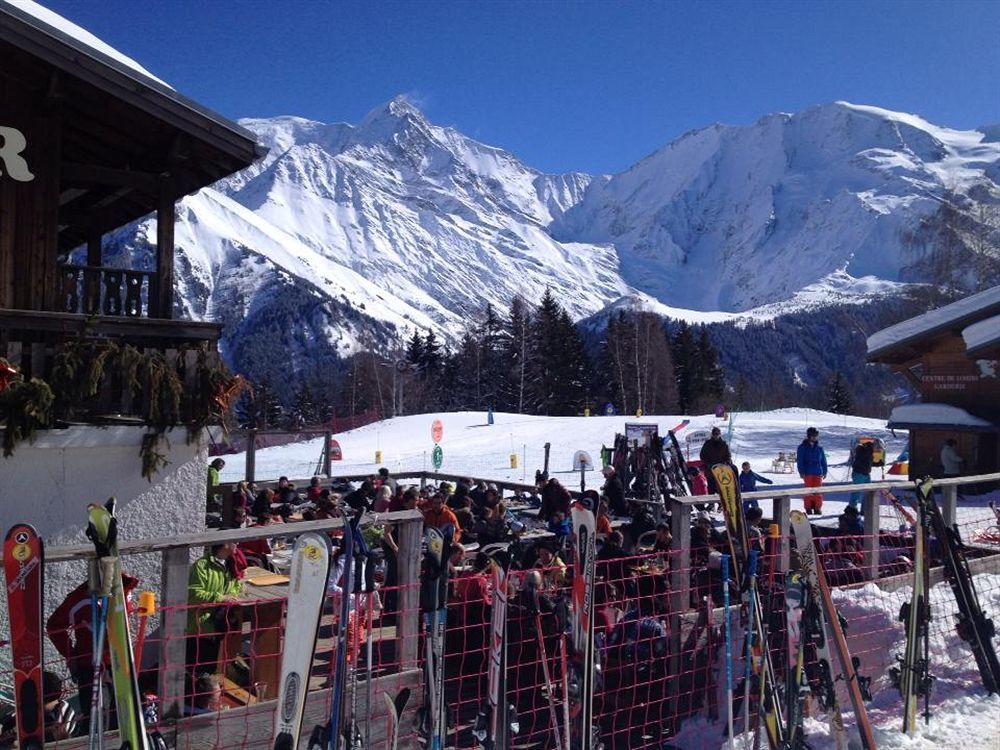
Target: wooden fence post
x=948, y=503
x=870, y=508
x=327, y=440
x=409, y=537
x=251, y=463
x=173, y=629
x=680, y=585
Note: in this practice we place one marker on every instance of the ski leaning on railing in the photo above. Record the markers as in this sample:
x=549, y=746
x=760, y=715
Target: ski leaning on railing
x=492, y=728
x=797, y=685
x=306, y=593
x=582, y=733
x=23, y=564
x=770, y=711
x=434, y=603
x=912, y=677
x=972, y=624
x=330, y=736
x=831, y=628
x=102, y=530
x=815, y=630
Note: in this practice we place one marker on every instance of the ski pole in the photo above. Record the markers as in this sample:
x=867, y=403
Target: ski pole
x=545, y=674
x=729, y=645
x=368, y=667
x=748, y=657
x=98, y=608
x=565, y=689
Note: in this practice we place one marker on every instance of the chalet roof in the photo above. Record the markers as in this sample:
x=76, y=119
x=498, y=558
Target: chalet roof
x=983, y=336
x=123, y=130
x=933, y=416
x=901, y=342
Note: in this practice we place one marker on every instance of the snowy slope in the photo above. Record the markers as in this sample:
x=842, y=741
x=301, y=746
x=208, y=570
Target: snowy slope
x=472, y=447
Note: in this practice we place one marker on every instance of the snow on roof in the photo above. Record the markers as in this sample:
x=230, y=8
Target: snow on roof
x=964, y=310
x=944, y=416
x=983, y=334
x=81, y=36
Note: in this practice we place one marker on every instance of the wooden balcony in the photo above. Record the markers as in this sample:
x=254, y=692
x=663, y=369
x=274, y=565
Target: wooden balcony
x=137, y=358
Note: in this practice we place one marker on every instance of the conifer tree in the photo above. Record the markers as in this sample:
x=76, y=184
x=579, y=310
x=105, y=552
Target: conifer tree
x=516, y=351
x=415, y=349
x=685, y=366
x=838, y=399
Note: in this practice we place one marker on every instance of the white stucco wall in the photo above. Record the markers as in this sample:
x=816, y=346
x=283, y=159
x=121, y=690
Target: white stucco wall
x=49, y=485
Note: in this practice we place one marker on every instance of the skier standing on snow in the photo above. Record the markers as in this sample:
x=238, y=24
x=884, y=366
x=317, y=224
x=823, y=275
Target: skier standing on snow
x=810, y=460
x=748, y=483
x=714, y=451
x=861, y=469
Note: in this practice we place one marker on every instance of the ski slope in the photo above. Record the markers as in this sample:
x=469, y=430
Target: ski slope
x=473, y=447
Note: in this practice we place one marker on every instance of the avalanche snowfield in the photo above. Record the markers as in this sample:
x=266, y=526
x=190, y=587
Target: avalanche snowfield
x=962, y=714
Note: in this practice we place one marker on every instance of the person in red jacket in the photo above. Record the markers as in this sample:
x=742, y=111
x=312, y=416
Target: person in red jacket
x=441, y=517
x=70, y=630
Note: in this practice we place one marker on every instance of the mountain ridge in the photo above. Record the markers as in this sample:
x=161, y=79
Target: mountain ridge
x=414, y=226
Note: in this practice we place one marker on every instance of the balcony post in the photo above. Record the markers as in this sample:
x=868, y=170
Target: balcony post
x=95, y=258
x=164, y=302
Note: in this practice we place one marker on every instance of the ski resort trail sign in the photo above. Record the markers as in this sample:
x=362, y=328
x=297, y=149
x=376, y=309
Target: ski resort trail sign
x=437, y=431
x=336, y=454
x=437, y=457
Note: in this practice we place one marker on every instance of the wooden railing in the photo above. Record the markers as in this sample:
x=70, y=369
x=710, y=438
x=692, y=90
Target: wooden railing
x=175, y=563
x=97, y=290
x=31, y=340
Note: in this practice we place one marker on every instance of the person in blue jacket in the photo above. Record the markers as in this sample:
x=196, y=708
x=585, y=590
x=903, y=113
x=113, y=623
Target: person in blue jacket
x=748, y=483
x=810, y=459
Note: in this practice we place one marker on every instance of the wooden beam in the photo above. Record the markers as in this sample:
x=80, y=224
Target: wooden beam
x=165, y=250
x=94, y=255
x=93, y=174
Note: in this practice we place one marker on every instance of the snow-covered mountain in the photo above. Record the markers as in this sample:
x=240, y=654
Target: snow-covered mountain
x=347, y=236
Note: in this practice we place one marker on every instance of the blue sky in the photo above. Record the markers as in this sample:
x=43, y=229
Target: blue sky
x=588, y=86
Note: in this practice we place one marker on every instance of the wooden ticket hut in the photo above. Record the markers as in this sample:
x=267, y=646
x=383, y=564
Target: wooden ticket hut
x=951, y=358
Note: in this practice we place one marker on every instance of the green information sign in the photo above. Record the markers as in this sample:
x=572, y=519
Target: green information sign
x=437, y=457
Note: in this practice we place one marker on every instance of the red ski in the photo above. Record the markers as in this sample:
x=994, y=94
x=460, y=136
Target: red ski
x=22, y=566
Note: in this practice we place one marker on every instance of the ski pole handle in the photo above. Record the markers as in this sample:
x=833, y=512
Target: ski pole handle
x=107, y=570
x=147, y=604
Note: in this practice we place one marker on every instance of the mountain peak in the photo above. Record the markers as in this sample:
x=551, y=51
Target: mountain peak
x=397, y=110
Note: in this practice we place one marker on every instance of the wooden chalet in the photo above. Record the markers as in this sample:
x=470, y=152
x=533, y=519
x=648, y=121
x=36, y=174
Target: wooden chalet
x=88, y=143
x=951, y=357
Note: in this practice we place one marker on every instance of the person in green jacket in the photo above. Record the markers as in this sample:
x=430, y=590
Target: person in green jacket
x=213, y=500
x=211, y=581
